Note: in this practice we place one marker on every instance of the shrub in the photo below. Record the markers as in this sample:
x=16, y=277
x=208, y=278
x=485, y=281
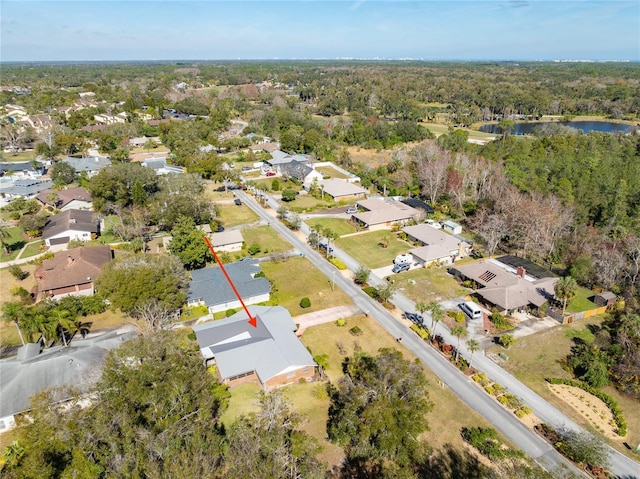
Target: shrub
x=458, y=316
x=523, y=411
x=17, y=272
x=305, y=302
x=371, y=291
x=485, y=440
x=230, y=312
x=275, y=185
x=341, y=322
x=490, y=389
x=498, y=388
x=420, y=331
x=191, y=336
x=338, y=263
x=253, y=249
x=356, y=331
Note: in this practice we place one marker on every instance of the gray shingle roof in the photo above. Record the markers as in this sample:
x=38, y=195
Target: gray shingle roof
x=26, y=187
x=79, y=365
x=296, y=170
x=210, y=285
x=270, y=349
x=91, y=163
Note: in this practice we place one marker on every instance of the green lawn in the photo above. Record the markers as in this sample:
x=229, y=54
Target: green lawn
x=337, y=225
x=295, y=279
x=429, y=284
x=234, y=215
x=32, y=249
x=307, y=203
x=539, y=356
x=22, y=156
x=331, y=172
x=14, y=243
x=366, y=248
x=581, y=301
x=266, y=237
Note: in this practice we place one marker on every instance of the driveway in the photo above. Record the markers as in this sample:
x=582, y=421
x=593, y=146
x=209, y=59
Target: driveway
x=324, y=316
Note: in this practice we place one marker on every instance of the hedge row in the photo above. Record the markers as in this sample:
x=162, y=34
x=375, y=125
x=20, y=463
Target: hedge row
x=611, y=403
x=420, y=331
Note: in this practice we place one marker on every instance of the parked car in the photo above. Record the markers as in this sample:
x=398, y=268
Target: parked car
x=351, y=210
x=413, y=317
x=434, y=224
x=403, y=258
x=270, y=173
x=246, y=168
x=400, y=267
x=219, y=229
x=237, y=202
x=323, y=246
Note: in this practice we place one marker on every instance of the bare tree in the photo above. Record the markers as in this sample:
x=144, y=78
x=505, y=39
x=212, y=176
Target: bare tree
x=431, y=166
x=153, y=316
x=492, y=230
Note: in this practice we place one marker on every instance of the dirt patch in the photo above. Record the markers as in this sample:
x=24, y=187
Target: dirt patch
x=590, y=407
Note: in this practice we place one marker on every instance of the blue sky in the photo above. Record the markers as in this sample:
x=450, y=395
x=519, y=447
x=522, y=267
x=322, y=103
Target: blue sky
x=423, y=29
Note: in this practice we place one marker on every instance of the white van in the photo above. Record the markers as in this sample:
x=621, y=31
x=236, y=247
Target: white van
x=471, y=309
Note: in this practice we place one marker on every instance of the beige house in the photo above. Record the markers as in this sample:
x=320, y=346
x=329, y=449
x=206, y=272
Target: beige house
x=230, y=240
x=342, y=190
x=384, y=214
x=437, y=247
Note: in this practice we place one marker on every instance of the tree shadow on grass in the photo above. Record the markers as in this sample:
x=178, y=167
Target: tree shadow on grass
x=452, y=463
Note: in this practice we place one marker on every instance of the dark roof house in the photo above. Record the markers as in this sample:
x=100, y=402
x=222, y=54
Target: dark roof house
x=70, y=225
x=72, y=198
x=209, y=286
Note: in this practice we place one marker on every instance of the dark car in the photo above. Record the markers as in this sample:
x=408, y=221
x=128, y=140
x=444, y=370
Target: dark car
x=400, y=267
x=219, y=229
x=237, y=202
x=323, y=246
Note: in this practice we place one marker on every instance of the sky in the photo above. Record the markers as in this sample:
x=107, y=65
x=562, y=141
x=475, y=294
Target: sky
x=87, y=30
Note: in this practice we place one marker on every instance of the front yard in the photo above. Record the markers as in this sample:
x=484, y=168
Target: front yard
x=337, y=225
x=295, y=279
x=266, y=237
x=233, y=215
x=366, y=248
x=14, y=243
x=429, y=284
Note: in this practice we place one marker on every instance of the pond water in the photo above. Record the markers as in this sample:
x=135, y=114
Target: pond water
x=585, y=126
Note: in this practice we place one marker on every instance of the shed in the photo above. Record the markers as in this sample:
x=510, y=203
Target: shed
x=606, y=298
x=451, y=227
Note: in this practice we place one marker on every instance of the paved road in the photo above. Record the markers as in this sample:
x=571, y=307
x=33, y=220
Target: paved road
x=533, y=445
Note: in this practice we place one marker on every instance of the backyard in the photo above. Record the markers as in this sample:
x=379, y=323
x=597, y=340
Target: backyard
x=581, y=301
x=14, y=243
x=295, y=279
x=366, y=248
x=331, y=172
x=540, y=356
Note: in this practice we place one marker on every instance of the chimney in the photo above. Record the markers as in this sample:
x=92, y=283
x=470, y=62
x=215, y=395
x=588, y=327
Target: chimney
x=70, y=260
x=520, y=271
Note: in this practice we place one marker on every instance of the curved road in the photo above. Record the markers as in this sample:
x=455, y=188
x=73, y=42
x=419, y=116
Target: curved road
x=527, y=440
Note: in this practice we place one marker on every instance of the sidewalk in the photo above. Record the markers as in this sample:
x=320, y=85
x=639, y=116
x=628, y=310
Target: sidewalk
x=20, y=260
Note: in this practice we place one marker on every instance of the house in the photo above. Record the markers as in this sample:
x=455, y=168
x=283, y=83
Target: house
x=72, y=272
x=385, y=214
x=300, y=171
x=161, y=167
x=437, y=247
x=451, y=227
x=269, y=354
x=341, y=190
x=230, y=240
x=505, y=288
x=90, y=165
x=32, y=371
x=22, y=188
x=70, y=225
x=210, y=287
x=22, y=169
x=141, y=141
x=69, y=199
x=268, y=147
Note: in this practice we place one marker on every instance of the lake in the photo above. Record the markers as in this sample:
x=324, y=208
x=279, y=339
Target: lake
x=585, y=126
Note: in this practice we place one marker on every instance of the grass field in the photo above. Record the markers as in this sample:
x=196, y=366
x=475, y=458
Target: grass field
x=32, y=249
x=331, y=171
x=266, y=237
x=539, y=356
x=22, y=156
x=581, y=301
x=306, y=203
x=337, y=225
x=424, y=284
x=233, y=215
x=295, y=279
x=366, y=248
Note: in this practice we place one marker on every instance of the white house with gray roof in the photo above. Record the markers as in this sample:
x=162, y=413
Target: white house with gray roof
x=90, y=165
x=209, y=286
x=436, y=246
x=269, y=354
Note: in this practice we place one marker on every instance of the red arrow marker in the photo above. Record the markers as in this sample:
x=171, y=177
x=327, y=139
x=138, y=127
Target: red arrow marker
x=252, y=321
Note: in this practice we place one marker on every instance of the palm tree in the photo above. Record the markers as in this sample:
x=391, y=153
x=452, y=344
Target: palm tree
x=421, y=307
x=565, y=290
x=437, y=315
x=4, y=234
x=330, y=235
x=472, y=346
x=459, y=332
x=64, y=323
x=14, y=312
